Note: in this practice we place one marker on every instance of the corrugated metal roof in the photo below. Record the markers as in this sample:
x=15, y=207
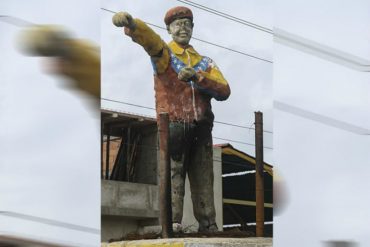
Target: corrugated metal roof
x=117, y=120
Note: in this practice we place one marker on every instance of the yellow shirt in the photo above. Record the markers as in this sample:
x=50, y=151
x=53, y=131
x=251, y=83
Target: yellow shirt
x=158, y=50
x=186, y=101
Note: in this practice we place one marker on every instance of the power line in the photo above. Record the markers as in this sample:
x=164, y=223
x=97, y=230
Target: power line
x=239, y=142
x=320, y=50
x=108, y=10
x=241, y=126
x=152, y=147
x=15, y=21
x=227, y=16
x=232, y=163
x=151, y=108
x=207, y=42
x=214, y=137
x=126, y=103
x=239, y=164
x=135, y=145
x=218, y=138
x=332, y=122
x=50, y=222
x=233, y=50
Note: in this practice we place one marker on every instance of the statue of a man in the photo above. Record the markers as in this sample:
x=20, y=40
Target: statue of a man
x=184, y=83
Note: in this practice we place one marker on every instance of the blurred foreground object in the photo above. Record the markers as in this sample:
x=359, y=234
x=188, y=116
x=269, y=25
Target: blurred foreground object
x=281, y=197
x=15, y=241
x=340, y=244
x=76, y=59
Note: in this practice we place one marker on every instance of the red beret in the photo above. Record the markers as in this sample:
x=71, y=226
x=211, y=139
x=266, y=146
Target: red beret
x=176, y=13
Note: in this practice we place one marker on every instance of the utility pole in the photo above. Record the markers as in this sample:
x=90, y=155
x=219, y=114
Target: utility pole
x=107, y=154
x=164, y=177
x=260, y=200
x=101, y=150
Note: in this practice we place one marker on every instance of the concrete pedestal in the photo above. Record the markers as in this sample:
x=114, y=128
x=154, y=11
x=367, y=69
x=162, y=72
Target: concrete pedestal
x=195, y=242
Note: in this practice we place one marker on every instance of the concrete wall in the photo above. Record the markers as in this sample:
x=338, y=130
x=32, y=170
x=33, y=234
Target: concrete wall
x=124, y=205
x=132, y=200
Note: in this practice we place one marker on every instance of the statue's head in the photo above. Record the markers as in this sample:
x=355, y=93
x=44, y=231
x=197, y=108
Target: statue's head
x=179, y=22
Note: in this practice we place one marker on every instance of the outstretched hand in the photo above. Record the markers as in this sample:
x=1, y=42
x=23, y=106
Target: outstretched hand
x=124, y=19
x=186, y=74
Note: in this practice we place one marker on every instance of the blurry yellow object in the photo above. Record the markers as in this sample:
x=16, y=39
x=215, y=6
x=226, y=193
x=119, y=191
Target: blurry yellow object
x=281, y=195
x=77, y=59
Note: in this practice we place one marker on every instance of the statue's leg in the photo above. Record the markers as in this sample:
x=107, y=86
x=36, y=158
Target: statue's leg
x=177, y=148
x=200, y=173
x=177, y=189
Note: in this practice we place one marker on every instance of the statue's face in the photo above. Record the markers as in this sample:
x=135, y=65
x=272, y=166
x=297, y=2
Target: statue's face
x=181, y=30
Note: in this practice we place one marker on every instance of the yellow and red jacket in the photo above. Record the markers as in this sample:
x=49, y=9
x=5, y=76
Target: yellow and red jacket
x=184, y=101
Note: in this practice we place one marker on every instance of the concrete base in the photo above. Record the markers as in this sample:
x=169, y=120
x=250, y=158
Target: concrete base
x=116, y=227
x=195, y=242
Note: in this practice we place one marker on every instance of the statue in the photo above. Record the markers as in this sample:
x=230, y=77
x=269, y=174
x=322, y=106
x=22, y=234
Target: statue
x=184, y=83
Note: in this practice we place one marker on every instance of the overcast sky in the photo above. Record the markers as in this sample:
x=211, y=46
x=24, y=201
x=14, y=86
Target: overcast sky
x=49, y=138
x=326, y=169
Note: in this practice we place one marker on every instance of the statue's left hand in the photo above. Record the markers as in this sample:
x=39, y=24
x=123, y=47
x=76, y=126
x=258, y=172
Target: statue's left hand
x=186, y=74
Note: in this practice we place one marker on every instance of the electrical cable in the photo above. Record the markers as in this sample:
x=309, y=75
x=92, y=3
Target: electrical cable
x=227, y=16
x=50, y=222
x=205, y=41
x=152, y=108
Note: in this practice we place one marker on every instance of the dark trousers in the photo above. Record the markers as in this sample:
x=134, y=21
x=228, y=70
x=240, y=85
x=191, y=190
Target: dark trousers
x=191, y=153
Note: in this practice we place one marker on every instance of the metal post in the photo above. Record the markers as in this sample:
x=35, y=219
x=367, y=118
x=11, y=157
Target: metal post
x=260, y=200
x=107, y=155
x=128, y=153
x=164, y=177
x=101, y=150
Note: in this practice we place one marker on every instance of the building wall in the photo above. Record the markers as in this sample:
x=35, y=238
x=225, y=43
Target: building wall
x=146, y=163
x=146, y=159
x=113, y=150
x=125, y=205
